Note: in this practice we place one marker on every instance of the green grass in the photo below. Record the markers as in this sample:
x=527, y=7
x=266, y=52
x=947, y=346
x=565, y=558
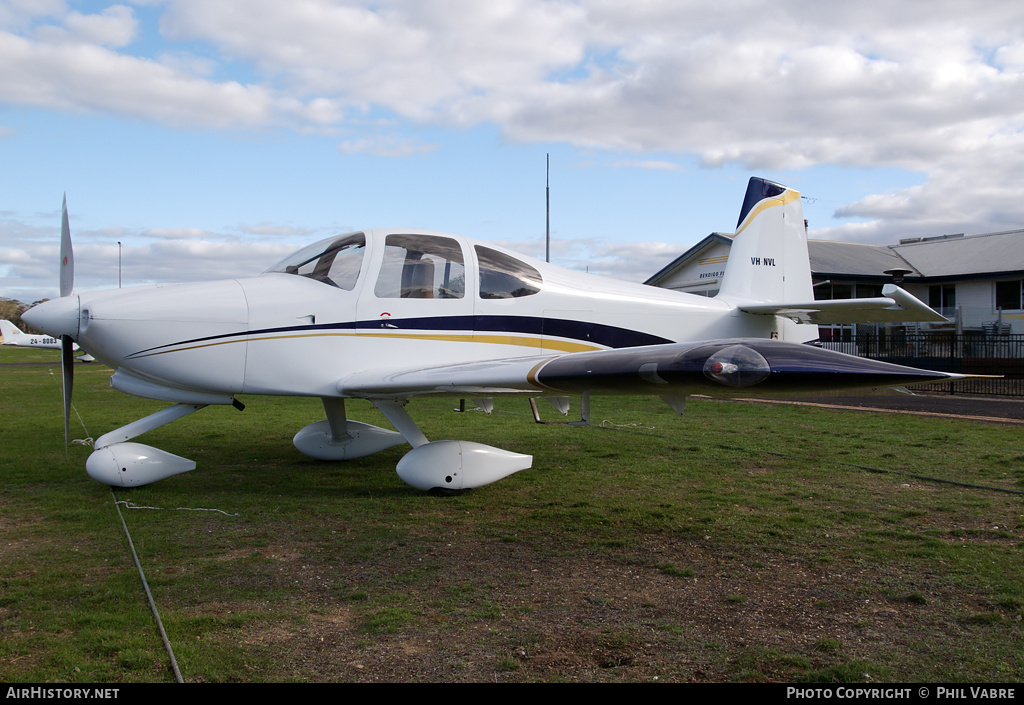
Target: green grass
x=741, y=542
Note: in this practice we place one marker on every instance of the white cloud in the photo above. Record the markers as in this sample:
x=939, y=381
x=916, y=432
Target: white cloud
x=115, y=27
x=925, y=86
x=1010, y=57
x=175, y=233
x=386, y=146
x=971, y=193
x=802, y=84
x=93, y=78
x=19, y=14
x=30, y=271
x=276, y=230
x=635, y=261
x=651, y=164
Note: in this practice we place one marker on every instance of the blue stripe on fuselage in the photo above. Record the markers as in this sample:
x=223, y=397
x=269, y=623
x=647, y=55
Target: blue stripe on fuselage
x=583, y=331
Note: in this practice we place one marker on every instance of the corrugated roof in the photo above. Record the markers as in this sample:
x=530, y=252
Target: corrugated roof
x=850, y=258
x=933, y=258
x=967, y=255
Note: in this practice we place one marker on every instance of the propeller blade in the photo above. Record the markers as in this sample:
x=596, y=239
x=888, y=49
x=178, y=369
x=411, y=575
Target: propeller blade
x=67, y=370
x=67, y=285
x=67, y=255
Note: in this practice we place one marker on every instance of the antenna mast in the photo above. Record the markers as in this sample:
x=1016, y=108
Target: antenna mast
x=547, y=196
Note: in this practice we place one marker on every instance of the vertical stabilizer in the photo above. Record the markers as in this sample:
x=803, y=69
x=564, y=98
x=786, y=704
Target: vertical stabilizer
x=768, y=259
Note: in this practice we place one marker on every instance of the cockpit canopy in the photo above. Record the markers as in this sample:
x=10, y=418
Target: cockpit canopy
x=414, y=266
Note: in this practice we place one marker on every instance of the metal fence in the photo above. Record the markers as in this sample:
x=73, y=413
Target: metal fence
x=966, y=353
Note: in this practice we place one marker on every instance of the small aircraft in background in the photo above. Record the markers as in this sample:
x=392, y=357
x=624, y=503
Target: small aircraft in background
x=13, y=336
x=391, y=315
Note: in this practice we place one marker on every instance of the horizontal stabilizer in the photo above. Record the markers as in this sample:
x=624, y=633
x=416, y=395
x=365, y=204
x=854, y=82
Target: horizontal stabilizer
x=894, y=306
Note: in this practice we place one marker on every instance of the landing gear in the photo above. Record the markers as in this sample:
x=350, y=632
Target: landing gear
x=448, y=465
x=337, y=438
x=118, y=463
x=437, y=465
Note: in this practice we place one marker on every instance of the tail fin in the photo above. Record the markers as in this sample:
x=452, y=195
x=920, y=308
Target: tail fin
x=9, y=331
x=768, y=259
x=769, y=273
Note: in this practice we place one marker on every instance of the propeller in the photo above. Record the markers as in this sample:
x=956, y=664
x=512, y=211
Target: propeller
x=67, y=285
x=61, y=317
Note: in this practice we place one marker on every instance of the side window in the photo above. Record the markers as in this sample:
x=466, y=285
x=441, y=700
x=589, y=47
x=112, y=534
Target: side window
x=505, y=277
x=1008, y=295
x=421, y=267
x=335, y=261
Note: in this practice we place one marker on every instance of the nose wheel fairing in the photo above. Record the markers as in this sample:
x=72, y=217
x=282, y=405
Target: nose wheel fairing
x=118, y=463
x=134, y=465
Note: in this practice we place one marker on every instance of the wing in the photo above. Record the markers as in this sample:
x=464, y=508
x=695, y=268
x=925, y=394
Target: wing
x=721, y=367
x=895, y=305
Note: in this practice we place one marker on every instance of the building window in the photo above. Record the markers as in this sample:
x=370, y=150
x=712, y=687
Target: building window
x=868, y=291
x=837, y=334
x=1008, y=295
x=942, y=298
x=828, y=290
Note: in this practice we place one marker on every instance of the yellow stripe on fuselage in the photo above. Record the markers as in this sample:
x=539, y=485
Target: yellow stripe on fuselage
x=487, y=339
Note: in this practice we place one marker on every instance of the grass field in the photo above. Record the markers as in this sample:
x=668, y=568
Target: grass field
x=740, y=542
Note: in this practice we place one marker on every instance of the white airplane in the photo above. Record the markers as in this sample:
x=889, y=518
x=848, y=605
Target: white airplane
x=13, y=336
x=390, y=315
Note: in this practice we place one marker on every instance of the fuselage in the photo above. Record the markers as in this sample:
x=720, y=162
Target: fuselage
x=13, y=336
x=379, y=299
x=27, y=340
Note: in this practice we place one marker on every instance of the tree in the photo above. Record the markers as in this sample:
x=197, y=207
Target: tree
x=11, y=310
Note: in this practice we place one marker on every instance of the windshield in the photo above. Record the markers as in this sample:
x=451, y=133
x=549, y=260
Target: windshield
x=335, y=261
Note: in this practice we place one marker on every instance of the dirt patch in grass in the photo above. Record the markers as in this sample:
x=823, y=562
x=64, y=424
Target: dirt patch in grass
x=496, y=611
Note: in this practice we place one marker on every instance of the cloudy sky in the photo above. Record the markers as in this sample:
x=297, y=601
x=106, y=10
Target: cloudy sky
x=212, y=137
